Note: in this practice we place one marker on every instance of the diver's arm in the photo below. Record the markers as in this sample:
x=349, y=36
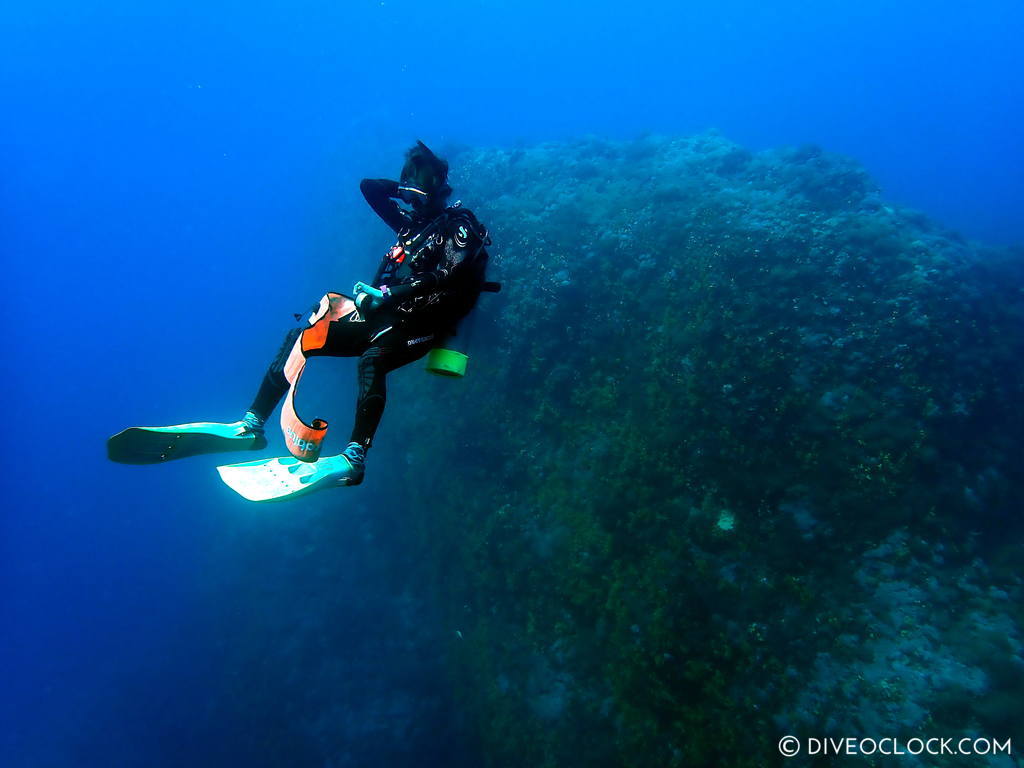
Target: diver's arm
x=379, y=193
x=428, y=282
x=458, y=265
x=369, y=299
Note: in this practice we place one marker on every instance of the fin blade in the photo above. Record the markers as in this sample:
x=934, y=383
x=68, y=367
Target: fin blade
x=155, y=445
x=277, y=479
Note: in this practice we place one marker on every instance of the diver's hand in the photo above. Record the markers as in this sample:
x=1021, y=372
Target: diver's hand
x=362, y=287
x=367, y=303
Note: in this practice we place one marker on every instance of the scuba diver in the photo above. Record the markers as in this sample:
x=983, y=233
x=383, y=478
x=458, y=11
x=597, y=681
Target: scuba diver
x=428, y=281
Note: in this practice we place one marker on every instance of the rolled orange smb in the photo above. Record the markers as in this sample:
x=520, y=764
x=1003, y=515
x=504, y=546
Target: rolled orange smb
x=305, y=439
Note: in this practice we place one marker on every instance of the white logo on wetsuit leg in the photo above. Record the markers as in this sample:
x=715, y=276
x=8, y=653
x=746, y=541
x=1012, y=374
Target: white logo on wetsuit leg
x=420, y=340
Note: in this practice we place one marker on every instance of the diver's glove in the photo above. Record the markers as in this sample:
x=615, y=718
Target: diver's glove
x=368, y=299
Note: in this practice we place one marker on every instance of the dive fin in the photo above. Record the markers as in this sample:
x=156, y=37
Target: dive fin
x=155, y=445
x=286, y=477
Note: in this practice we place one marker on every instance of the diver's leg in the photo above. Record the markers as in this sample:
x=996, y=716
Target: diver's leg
x=344, y=339
x=347, y=339
x=374, y=366
x=274, y=383
x=377, y=358
x=373, y=391
x=377, y=352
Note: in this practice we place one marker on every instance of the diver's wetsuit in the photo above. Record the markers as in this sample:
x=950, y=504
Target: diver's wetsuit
x=445, y=276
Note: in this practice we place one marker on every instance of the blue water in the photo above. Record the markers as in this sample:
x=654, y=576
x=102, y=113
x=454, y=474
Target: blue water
x=177, y=179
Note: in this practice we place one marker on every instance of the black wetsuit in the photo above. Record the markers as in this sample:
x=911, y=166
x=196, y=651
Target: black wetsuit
x=439, y=284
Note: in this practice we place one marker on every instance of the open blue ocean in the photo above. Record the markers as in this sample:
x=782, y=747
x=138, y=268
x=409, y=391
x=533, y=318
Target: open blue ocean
x=737, y=456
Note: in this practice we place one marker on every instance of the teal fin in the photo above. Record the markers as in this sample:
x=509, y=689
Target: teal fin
x=155, y=445
x=286, y=477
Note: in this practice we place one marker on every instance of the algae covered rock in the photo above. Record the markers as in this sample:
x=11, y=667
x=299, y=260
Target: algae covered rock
x=716, y=382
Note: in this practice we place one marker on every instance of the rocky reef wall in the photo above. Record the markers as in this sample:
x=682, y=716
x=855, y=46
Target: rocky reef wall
x=738, y=456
